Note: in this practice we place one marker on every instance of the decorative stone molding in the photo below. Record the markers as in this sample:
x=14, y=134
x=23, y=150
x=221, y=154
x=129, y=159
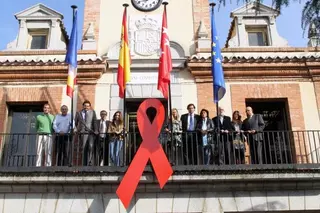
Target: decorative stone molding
x=177, y=52
x=314, y=36
x=89, y=42
x=92, y=15
x=202, y=31
x=203, y=39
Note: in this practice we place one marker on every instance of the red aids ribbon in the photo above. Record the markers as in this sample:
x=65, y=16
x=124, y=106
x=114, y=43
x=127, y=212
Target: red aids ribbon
x=150, y=148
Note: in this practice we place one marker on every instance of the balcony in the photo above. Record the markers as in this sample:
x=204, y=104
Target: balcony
x=280, y=150
x=287, y=179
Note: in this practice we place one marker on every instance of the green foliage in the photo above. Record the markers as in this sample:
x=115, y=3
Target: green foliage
x=310, y=14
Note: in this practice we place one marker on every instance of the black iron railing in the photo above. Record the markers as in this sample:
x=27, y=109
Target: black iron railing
x=182, y=149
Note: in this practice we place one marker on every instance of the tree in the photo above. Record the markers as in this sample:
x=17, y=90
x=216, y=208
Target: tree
x=310, y=14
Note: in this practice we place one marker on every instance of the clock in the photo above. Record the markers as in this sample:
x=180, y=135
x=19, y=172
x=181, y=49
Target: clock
x=146, y=5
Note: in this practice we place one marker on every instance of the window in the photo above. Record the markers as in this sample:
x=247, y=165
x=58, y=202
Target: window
x=38, y=39
x=38, y=42
x=257, y=36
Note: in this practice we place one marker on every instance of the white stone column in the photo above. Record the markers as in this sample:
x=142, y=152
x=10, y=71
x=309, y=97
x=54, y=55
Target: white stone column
x=22, y=35
x=54, y=35
x=242, y=33
x=272, y=31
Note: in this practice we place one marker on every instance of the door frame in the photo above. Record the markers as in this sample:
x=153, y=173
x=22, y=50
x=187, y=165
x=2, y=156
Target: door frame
x=164, y=101
x=287, y=120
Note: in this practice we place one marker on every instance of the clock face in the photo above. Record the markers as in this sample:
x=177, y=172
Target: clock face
x=146, y=5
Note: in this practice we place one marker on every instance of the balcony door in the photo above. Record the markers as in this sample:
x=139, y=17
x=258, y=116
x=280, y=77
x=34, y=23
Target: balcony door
x=275, y=114
x=20, y=145
x=134, y=137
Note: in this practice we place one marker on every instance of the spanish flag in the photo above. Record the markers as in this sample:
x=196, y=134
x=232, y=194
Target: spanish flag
x=71, y=57
x=124, y=57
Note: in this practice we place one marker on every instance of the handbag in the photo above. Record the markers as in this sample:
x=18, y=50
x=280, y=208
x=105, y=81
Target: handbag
x=238, y=144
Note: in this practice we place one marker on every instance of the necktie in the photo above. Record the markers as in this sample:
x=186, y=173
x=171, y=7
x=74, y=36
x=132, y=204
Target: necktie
x=191, y=123
x=85, y=115
x=101, y=127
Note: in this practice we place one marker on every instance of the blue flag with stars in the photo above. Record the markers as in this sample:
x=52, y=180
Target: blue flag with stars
x=219, y=87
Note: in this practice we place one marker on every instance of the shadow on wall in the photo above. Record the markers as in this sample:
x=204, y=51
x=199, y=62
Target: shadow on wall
x=89, y=202
x=269, y=206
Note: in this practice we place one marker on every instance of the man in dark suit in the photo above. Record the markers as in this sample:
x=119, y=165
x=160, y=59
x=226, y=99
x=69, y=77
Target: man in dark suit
x=189, y=136
x=103, y=140
x=86, y=126
x=253, y=126
x=223, y=127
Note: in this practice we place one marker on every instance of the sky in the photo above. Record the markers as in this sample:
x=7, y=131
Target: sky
x=288, y=23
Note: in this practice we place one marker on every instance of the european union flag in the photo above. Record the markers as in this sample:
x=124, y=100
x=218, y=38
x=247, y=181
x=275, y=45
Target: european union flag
x=219, y=88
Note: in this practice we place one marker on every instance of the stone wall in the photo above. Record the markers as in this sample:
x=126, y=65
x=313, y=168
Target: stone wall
x=95, y=193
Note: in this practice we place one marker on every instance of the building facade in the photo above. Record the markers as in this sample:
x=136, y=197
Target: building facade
x=280, y=82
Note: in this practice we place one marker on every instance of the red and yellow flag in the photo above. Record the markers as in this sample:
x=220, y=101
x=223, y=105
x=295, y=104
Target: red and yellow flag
x=124, y=57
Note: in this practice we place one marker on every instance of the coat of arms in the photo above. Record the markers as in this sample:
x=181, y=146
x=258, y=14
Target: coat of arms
x=146, y=39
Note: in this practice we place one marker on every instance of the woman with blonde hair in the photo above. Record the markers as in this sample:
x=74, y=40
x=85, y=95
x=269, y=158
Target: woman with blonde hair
x=174, y=145
x=116, y=131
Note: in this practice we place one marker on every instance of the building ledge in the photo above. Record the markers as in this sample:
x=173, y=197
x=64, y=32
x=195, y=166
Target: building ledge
x=106, y=182
x=43, y=52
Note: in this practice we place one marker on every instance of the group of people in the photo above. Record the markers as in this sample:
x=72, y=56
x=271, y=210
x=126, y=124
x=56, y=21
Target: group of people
x=88, y=130
x=198, y=139
x=192, y=139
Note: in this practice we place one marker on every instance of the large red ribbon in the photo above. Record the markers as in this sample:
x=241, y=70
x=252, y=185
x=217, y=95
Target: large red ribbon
x=150, y=148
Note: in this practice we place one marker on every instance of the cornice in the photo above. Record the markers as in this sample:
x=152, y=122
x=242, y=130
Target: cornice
x=49, y=73
x=262, y=49
x=43, y=52
x=264, y=70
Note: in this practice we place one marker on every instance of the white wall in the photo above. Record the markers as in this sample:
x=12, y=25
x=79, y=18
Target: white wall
x=180, y=26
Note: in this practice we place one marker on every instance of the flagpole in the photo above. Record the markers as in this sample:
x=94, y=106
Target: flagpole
x=212, y=5
x=125, y=5
x=74, y=8
x=165, y=3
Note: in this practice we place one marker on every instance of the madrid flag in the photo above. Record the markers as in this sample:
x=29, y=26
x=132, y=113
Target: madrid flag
x=124, y=57
x=165, y=63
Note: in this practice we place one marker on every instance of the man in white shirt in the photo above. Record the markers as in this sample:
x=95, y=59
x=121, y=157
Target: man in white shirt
x=103, y=146
x=62, y=127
